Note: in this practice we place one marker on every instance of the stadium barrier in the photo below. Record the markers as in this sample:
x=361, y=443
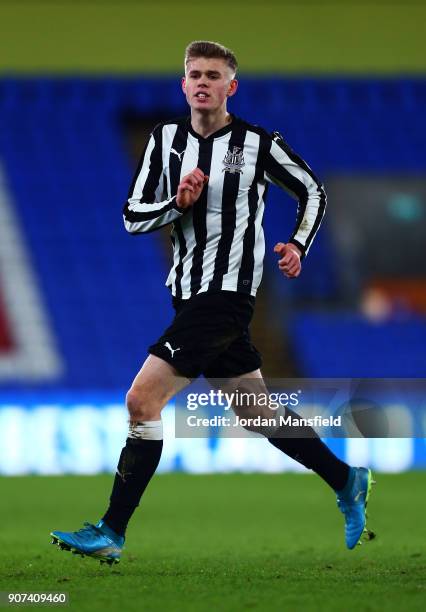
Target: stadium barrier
x=78, y=434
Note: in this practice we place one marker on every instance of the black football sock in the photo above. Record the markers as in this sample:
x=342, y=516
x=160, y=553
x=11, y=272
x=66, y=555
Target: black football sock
x=138, y=461
x=303, y=445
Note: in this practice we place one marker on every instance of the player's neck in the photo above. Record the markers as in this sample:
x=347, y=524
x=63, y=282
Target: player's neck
x=206, y=124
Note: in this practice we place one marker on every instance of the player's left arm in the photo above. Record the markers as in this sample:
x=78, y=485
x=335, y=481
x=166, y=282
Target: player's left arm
x=285, y=168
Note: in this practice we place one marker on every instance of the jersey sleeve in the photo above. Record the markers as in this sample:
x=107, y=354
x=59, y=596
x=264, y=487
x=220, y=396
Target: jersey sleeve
x=285, y=168
x=147, y=207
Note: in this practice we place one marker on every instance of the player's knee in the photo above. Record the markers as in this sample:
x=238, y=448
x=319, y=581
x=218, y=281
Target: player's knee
x=141, y=405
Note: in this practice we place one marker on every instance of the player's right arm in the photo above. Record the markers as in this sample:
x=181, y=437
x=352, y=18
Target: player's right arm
x=146, y=208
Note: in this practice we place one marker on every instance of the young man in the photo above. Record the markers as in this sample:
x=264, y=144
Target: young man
x=207, y=175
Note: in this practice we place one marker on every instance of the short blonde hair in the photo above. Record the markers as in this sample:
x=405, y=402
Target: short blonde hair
x=208, y=49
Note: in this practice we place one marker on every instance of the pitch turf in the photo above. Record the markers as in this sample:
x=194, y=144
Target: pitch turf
x=222, y=542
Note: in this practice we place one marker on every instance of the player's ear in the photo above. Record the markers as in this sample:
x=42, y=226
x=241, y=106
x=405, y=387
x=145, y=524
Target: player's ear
x=184, y=84
x=233, y=86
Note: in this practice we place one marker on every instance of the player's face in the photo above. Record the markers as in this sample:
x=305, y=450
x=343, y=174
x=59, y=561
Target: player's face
x=208, y=83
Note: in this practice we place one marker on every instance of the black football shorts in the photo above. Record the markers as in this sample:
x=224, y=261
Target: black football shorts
x=210, y=335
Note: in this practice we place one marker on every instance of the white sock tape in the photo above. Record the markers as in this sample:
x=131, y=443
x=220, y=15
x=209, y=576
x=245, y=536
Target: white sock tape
x=146, y=430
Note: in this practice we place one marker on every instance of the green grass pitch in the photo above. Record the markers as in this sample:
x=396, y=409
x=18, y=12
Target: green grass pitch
x=220, y=542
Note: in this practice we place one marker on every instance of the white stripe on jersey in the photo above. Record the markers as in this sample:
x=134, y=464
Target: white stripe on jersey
x=169, y=132
x=259, y=249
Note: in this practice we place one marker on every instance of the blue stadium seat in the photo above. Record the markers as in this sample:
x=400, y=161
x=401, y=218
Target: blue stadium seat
x=346, y=345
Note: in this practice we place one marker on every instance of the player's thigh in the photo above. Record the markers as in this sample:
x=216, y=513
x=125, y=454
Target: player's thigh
x=156, y=383
x=249, y=391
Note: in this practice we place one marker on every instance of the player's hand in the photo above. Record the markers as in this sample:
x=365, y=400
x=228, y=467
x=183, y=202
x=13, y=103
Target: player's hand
x=289, y=263
x=190, y=188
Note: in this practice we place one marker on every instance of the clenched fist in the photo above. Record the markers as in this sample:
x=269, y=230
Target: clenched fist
x=190, y=188
x=289, y=263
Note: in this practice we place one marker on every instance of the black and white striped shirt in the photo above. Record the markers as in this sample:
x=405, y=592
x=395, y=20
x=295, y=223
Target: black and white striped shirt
x=218, y=244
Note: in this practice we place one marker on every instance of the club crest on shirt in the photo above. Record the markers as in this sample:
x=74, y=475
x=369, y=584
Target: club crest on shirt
x=234, y=161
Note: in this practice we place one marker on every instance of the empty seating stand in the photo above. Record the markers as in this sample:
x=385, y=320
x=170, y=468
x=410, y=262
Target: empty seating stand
x=66, y=163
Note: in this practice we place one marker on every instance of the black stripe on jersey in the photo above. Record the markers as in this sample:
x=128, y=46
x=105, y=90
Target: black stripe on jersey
x=323, y=199
x=177, y=228
x=231, y=183
x=199, y=217
x=245, y=275
x=175, y=163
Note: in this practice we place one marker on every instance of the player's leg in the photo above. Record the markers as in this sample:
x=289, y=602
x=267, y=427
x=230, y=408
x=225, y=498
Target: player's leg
x=352, y=485
x=203, y=327
x=301, y=443
x=154, y=385
x=152, y=388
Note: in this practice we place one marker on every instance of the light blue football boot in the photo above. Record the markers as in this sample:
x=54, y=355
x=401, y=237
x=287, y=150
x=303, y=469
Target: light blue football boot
x=97, y=541
x=352, y=502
